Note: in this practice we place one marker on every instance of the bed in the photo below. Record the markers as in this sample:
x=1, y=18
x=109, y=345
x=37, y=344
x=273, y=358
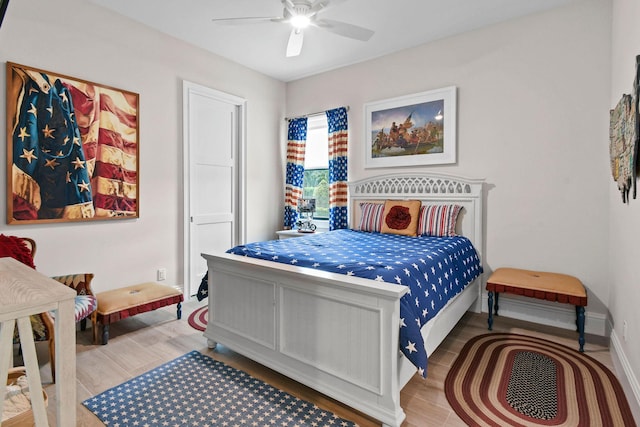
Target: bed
x=333, y=332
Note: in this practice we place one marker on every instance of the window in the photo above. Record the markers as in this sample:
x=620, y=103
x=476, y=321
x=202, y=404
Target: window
x=315, y=182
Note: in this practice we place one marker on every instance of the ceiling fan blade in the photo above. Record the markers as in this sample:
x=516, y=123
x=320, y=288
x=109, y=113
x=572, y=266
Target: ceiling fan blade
x=247, y=20
x=289, y=6
x=294, y=46
x=325, y=4
x=342, y=28
x=318, y=5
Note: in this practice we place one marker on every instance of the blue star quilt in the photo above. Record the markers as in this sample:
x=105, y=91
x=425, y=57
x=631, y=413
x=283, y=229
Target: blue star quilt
x=435, y=269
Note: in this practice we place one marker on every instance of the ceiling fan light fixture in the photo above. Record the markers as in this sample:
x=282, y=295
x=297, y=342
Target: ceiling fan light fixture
x=300, y=14
x=300, y=21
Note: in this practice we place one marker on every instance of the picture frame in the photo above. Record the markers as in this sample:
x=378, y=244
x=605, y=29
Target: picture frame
x=3, y=10
x=411, y=130
x=72, y=149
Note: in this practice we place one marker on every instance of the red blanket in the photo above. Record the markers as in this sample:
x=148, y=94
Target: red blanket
x=15, y=247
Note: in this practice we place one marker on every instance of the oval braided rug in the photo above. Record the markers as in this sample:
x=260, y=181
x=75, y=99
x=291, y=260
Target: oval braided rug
x=515, y=380
x=198, y=319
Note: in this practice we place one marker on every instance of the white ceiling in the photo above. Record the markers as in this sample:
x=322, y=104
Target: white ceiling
x=398, y=24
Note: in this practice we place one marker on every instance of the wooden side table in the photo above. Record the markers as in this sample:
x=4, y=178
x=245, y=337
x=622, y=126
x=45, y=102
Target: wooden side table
x=23, y=292
x=536, y=284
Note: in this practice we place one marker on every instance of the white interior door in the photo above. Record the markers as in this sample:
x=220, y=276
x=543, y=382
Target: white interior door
x=213, y=123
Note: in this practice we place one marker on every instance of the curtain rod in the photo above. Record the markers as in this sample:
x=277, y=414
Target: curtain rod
x=311, y=114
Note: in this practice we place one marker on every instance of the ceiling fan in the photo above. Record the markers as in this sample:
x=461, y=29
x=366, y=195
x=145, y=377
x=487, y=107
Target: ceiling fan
x=300, y=14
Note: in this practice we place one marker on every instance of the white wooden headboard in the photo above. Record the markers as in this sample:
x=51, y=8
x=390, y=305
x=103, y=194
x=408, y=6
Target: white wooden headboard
x=429, y=189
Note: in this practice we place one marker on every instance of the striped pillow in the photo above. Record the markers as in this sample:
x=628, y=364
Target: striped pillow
x=438, y=220
x=371, y=216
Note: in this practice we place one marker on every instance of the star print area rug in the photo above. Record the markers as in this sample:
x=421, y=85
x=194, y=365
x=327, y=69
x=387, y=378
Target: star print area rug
x=196, y=390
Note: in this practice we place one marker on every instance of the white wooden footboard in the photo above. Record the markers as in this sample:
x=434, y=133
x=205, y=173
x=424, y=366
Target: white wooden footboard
x=338, y=337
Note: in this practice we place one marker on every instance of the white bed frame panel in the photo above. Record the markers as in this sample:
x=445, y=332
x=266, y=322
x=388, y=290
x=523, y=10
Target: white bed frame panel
x=335, y=333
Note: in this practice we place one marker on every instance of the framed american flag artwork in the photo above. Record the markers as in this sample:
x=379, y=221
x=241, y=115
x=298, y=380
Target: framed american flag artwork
x=72, y=149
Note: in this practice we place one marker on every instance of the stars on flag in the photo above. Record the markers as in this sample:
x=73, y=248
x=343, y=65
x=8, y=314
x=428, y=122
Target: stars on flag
x=23, y=134
x=28, y=155
x=78, y=163
x=51, y=163
x=47, y=132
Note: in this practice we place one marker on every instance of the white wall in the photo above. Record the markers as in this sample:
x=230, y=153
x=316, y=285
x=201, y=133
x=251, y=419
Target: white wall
x=624, y=223
x=79, y=39
x=533, y=97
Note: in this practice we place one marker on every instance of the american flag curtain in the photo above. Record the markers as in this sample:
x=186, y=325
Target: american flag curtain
x=338, y=130
x=296, y=140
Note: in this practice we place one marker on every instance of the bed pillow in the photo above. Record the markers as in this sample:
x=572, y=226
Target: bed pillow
x=438, y=220
x=371, y=216
x=401, y=217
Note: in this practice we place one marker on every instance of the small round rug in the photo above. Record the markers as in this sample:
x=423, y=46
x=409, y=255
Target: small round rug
x=516, y=380
x=198, y=319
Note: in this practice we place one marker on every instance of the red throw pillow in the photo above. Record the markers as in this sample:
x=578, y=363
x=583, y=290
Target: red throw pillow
x=401, y=217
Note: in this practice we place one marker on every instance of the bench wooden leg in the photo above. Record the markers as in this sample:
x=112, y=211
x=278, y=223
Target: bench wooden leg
x=580, y=321
x=105, y=334
x=179, y=313
x=490, y=319
x=94, y=326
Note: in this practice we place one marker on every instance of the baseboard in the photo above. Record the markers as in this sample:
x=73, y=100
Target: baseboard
x=547, y=313
x=626, y=375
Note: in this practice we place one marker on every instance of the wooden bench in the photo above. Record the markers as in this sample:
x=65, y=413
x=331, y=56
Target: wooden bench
x=118, y=304
x=536, y=284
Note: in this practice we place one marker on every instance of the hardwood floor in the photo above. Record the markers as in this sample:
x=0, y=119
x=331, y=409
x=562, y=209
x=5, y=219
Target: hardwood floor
x=148, y=340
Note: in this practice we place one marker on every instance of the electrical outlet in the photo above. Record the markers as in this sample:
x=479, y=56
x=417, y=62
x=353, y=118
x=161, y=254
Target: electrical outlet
x=162, y=274
x=624, y=331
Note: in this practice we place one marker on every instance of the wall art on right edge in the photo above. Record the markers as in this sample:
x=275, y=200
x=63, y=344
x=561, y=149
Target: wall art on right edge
x=623, y=139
